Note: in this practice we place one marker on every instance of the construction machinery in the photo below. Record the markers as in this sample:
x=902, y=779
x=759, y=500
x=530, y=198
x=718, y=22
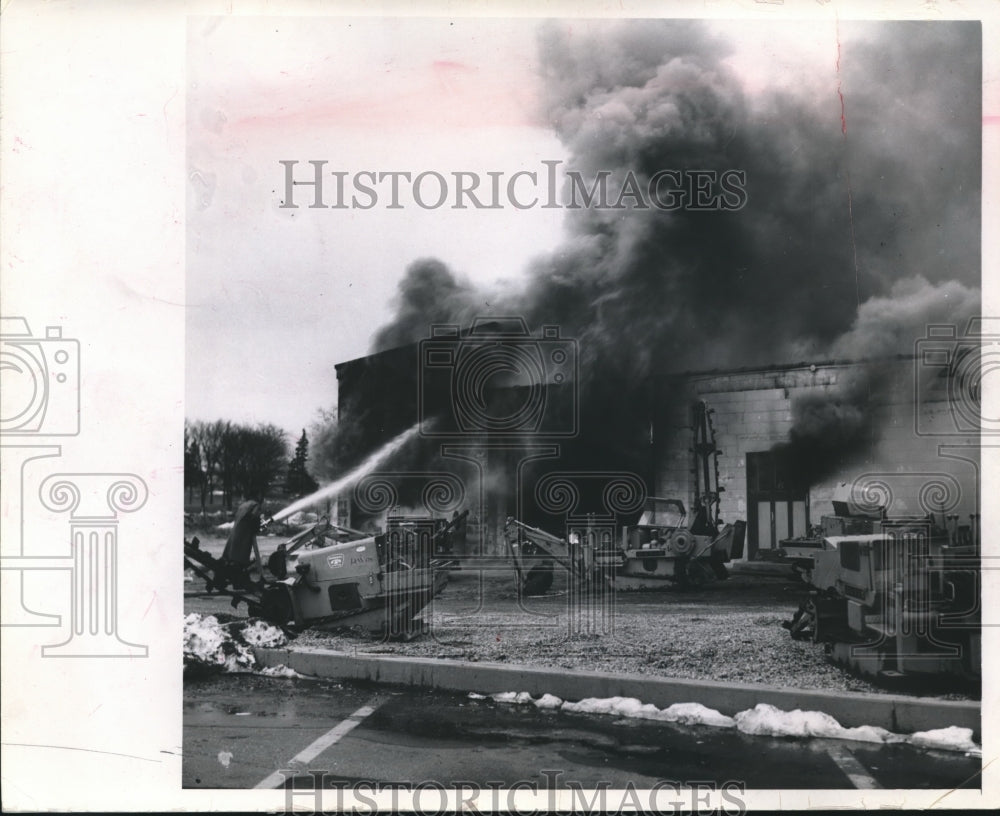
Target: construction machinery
x=892, y=597
x=664, y=547
x=444, y=539
x=661, y=549
x=847, y=519
x=333, y=577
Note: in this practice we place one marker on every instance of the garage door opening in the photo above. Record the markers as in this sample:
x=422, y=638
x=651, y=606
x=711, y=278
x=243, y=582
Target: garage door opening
x=777, y=504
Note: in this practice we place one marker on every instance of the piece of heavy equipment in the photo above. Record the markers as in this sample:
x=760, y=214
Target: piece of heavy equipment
x=661, y=549
x=664, y=547
x=444, y=539
x=892, y=598
x=333, y=577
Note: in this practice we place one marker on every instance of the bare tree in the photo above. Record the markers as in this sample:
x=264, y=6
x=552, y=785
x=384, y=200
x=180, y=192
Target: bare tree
x=261, y=457
x=241, y=460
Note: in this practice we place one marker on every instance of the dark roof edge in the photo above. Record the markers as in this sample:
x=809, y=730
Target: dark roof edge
x=708, y=372
x=763, y=369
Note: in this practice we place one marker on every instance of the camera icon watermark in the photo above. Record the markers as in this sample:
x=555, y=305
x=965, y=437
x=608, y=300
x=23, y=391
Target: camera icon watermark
x=950, y=370
x=40, y=399
x=910, y=591
x=496, y=379
x=39, y=381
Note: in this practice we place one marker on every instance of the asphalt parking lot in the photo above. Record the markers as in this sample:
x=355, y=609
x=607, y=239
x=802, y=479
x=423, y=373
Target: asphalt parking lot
x=246, y=731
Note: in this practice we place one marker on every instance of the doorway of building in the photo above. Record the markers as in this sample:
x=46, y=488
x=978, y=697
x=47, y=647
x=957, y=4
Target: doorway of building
x=777, y=504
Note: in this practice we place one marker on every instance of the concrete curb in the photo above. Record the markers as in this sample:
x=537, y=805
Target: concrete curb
x=902, y=715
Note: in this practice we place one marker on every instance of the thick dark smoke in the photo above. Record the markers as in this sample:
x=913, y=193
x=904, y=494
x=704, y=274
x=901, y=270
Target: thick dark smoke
x=849, y=239
x=429, y=293
x=649, y=289
x=830, y=429
x=827, y=429
x=889, y=325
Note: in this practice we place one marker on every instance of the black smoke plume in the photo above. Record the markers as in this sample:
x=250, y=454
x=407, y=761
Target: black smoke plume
x=845, y=217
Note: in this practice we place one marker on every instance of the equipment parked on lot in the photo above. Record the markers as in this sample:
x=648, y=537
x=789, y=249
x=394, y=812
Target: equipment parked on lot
x=444, y=539
x=659, y=550
x=332, y=577
x=891, y=597
x=663, y=547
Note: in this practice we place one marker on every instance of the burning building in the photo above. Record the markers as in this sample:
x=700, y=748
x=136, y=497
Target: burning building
x=897, y=430
x=857, y=251
x=789, y=435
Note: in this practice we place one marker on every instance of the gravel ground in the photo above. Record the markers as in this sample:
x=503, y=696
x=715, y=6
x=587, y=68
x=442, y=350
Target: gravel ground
x=729, y=631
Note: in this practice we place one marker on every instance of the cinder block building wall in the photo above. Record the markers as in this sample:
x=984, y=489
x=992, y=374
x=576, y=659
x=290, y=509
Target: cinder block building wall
x=916, y=454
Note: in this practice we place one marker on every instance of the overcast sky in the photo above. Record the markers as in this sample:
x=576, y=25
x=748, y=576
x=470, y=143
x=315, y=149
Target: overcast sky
x=276, y=297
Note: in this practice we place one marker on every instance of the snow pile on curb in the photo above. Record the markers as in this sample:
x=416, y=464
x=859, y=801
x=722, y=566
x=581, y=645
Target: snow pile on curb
x=695, y=714
x=228, y=647
x=263, y=634
x=512, y=697
x=280, y=670
x=615, y=706
x=951, y=738
x=761, y=720
x=685, y=713
x=767, y=720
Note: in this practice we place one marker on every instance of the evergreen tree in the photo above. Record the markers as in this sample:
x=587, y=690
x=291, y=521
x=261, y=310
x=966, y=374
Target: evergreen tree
x=299, y=482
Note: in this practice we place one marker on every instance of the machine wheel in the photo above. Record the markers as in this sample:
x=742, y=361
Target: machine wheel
x=276, y=606
x=719, y=568
x=698, y=574
x=277, y=564
x=800, y=626
x=681, y=572
x=804, y=624
x=538, y=580
x=818, y=630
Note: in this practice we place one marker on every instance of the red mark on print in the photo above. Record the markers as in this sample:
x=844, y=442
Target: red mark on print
x=843, y=112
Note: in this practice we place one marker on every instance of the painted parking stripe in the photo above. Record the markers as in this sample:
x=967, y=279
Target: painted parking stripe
x=310, y=752
x=852, y=769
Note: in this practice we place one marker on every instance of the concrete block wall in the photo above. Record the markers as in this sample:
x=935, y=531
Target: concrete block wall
x=918, y=458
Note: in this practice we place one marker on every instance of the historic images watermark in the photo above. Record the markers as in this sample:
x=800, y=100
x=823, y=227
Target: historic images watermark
x=459, y=370
x=667, y=189
x=951, y=364
x=40, y=387
x=324, y=792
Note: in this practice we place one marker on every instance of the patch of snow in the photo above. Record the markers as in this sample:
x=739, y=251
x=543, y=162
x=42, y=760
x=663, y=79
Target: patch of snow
x=280, y=671
x=951, y=738
x=696, y=714
x=260, y=633
x=764, y=719
x=225, y=757
x=208, y=643
x=225, y=526
x=761, y=720
x=515, y=697
x=767, y=720
x=870, y=733
x=226, y=647
x=617, y=706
